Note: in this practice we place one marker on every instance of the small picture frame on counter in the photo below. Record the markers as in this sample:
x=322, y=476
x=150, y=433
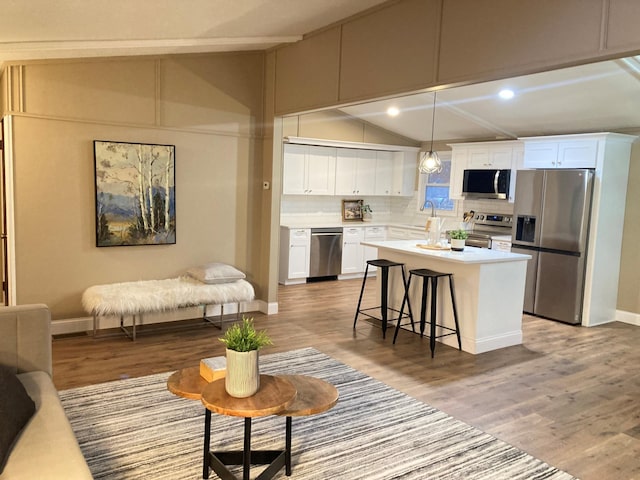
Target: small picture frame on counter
x=352, y=210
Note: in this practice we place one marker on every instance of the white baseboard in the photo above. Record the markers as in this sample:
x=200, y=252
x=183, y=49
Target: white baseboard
x=628, y=317
x=85, y=324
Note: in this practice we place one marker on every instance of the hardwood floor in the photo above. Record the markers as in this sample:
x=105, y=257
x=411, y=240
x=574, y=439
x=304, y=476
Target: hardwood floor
x=569, y=395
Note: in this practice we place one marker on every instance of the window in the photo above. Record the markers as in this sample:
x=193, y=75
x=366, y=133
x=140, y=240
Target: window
x=435, y=187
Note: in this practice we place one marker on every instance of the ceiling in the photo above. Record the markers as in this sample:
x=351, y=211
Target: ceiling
x=37, y=29
x=598, y=97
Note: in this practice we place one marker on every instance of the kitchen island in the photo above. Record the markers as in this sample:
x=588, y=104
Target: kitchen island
x=489, y=287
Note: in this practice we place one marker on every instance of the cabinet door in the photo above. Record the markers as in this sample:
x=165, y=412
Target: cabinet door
x=352, y=251
x=294, y=170
x=321, y=171
x=540, y=154
x=299, y=246
x=458, y=166
x=405, y=166
x=577, y=154
x=346, y=171
x=478, y=158
x=371, y=253
x=501, y=157
x=366, y=172
x=384, y=173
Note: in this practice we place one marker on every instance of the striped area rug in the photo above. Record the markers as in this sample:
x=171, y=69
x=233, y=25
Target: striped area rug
x=136, y=429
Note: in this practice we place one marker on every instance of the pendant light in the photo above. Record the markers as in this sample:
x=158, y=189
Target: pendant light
x=430, y=161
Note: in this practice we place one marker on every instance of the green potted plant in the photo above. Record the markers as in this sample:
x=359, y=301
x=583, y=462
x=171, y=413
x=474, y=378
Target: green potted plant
x=366, y=213
x=458, y=238
x=243, y=341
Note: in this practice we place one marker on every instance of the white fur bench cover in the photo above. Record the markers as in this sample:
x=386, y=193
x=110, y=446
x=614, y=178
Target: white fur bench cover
x=148, y=296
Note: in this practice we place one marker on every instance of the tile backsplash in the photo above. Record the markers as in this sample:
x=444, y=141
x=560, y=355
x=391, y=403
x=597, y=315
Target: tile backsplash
x=401, y=210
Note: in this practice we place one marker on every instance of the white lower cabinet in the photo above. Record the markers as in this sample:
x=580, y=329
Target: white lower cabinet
x=295, y=245
x=352, y=250
x=372, y=234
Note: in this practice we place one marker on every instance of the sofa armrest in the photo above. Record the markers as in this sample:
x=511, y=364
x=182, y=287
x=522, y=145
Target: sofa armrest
x=25, y=338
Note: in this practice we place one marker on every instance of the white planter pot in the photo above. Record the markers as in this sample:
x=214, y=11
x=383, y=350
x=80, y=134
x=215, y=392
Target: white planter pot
x=243, y=376
x=457, y=245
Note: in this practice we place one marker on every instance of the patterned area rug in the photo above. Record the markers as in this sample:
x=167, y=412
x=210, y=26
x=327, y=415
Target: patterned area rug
x=136, y=429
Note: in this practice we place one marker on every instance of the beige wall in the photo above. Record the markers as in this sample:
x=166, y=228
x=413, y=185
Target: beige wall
x=411, y=45
x=334, y=125
x=209, y=107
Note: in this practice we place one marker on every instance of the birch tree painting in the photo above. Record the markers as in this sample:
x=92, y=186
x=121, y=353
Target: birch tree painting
x=135, y=194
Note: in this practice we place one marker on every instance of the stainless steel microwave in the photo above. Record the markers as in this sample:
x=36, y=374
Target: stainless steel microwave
x=486, y=184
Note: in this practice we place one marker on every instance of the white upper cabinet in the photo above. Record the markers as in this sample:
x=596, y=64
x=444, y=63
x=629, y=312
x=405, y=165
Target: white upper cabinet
x=384, y=173
x=489, y=157
x=328, y=167
x=355, y=171
x=458, y=166
x=405, y=166
x=560, y=152
x=309, y=170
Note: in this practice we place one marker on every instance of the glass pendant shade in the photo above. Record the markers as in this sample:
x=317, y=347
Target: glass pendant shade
x=430, y=163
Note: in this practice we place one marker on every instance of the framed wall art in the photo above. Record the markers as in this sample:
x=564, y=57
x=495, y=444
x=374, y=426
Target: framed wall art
x=352, y=210
x=135, y=194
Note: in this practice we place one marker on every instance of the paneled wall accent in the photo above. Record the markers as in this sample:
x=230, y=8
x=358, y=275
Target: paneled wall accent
x=480, y=37
x=307, y=72
x=209, y=106
x=390, y=49
x=622, y=18
x=416, y=44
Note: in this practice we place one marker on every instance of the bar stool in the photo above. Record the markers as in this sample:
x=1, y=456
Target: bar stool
x=432, y=276
x=384, y=266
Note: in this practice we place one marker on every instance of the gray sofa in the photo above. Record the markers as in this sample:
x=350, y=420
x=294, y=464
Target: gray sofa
x=47, y=447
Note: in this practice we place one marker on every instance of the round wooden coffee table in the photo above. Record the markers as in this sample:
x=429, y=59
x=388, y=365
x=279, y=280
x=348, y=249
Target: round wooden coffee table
x=274, y=395
x=187, y=383
x=311, y=396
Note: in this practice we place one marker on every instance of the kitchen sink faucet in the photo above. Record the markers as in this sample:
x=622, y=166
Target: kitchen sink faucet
x=433, y=207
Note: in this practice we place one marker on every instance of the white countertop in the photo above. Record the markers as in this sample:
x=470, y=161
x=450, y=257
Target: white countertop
x=468, y=255
x=322, y=224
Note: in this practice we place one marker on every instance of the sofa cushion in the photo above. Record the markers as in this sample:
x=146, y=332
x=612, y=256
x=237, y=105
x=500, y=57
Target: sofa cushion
x=47, y=442
x=213, y=273
x=16, y=409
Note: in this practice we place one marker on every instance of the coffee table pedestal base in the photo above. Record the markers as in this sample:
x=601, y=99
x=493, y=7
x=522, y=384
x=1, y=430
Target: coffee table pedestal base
x=275, y=459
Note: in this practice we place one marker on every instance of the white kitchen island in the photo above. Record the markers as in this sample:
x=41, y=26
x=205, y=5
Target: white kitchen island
x=489, y=288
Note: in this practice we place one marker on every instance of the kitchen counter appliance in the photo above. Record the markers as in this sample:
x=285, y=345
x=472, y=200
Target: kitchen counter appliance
x=552, y=213
x=492, y=184
x=325, y=255
x=485, y=226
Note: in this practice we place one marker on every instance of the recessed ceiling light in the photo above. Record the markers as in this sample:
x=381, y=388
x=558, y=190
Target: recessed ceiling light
x=393, y=111
x=506, y=94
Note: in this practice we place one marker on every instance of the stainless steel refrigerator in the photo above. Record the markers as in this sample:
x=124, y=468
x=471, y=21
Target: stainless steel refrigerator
x=551, y=223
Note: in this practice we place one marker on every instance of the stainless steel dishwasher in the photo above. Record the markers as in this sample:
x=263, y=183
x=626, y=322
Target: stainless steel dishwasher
x=325, y=256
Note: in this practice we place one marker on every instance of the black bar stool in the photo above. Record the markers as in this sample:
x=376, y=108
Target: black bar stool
x=432, y=276
x=384, y=266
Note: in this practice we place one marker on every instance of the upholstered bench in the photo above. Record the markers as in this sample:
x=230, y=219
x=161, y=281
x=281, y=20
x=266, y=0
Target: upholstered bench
x=204, y=286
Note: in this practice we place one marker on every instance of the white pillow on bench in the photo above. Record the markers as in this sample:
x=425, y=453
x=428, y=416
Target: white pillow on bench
x=212, y=273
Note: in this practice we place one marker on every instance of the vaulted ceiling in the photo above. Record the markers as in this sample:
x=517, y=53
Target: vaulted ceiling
x=598, y=97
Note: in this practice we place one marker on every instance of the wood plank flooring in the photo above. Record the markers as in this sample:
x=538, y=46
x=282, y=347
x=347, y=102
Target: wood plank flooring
x=569, y=395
